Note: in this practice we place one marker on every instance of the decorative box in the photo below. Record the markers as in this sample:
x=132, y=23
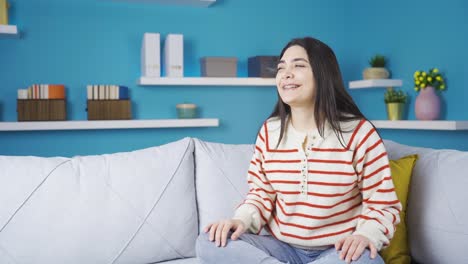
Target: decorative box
x=262, y=66
x=218, y=66
x=174, y=55
x=151, y=55
x=109, y=109
x=41, y=109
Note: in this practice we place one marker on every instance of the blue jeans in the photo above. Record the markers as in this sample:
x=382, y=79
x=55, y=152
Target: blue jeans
x=253, y=249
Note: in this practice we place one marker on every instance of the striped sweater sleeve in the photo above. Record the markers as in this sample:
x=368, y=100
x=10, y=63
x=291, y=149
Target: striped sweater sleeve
x=381, y=207
x=256, y=209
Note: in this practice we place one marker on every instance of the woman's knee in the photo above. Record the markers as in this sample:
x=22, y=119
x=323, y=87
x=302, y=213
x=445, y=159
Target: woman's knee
x=203, y=244
x=206, y=250
x=365, y=258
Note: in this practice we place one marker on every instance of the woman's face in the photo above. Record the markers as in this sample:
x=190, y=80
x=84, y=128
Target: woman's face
x=295, y=80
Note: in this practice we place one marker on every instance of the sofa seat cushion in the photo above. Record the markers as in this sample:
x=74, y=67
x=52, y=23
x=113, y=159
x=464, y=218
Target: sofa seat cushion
x=113, y=208
x=436, y=215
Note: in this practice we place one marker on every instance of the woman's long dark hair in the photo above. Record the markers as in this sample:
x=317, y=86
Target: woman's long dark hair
x=332, y=101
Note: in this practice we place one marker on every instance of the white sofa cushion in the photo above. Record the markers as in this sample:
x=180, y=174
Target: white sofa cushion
x=221, y=179
x=113, y=208
x=19, y=176
x=182, y=261
x=436, y=215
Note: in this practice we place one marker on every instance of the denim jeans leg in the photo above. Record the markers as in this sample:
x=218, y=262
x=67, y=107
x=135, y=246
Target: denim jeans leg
x=248, y=248
x=332, y=256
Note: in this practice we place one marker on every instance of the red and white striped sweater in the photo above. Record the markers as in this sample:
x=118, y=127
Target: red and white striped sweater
x=315, y=197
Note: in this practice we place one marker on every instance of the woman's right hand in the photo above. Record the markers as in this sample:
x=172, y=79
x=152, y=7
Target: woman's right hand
x=220, y=230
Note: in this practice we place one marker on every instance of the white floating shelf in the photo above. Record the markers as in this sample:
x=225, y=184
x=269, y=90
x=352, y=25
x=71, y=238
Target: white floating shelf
x=197, y=3
x=375, y=83
x=108, y=124
x=209, y=81
x=8, y=30
x=421, y=125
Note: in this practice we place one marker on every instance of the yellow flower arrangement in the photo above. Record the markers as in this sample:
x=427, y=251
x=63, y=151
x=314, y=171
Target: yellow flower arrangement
x=432, y=78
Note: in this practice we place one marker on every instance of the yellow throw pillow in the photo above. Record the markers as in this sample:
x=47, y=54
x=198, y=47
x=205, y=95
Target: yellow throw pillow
x=398, y=251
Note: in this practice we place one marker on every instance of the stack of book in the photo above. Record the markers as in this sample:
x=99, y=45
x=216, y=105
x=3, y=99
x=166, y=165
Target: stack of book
x=42, y=102
x=108, y=102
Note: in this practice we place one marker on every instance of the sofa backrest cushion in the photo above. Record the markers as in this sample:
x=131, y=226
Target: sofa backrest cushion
x=221, y=179
x=19, y=176
x=133, y=207
x=436, y=215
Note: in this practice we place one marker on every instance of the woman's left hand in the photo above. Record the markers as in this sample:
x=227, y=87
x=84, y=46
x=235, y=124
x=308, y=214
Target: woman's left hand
x=353, y=246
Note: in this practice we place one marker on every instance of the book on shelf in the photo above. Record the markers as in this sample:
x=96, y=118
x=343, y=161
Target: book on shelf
x=55, y=91
x=43, y=91
x=101, y=95
x=23, y=94
x=106, y=92
x=123, y=93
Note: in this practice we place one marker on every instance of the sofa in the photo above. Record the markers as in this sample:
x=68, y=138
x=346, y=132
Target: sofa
x=149, y=205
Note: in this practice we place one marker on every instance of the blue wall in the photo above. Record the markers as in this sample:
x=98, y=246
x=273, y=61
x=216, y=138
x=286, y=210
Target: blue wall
x=98, y=41
x=413, y=35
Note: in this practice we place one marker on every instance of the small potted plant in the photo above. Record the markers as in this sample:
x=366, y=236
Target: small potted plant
x=377, y=68
x=395, y=101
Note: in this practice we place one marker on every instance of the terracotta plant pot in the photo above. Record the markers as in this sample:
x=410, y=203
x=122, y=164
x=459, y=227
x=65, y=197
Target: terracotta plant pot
x=427, y=105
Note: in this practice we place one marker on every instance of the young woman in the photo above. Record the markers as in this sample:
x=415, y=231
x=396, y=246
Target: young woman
x=319, y=178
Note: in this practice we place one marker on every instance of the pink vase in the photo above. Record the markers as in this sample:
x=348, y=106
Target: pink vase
x=427, y=105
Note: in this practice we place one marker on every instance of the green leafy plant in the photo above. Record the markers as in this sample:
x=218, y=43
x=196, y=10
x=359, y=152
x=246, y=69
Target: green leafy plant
x=393, y=96
x=378, y=61
x=432, y=78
